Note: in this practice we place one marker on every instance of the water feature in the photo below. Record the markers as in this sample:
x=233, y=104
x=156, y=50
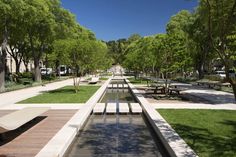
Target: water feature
x=117, y=135
x=117, y=95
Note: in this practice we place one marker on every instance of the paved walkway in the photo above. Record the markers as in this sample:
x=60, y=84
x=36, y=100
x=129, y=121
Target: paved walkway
x=211, y=99
x=9, y=98
x=56, y=106
x=210, y=95
x=213, y=96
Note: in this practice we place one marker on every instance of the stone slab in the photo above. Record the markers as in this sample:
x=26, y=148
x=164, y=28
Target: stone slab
x=99, y=108
x=111, y=108
x=135, y=108
x=123, y=108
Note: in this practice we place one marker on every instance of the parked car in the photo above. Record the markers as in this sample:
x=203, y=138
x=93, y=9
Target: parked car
x=45, y=71
x=221, y=74
x=63, y=69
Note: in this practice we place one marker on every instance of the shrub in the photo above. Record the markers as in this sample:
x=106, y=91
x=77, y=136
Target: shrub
x=26, y=75
x=48, y=77
x=213, y=77
x=185, y=80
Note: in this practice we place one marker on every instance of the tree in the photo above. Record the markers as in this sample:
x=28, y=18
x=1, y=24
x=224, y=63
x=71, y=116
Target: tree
x=221, y=27
x=178, y=42
x=40, y=30
x=140, y=56
x=10, y=11
x=17, y=37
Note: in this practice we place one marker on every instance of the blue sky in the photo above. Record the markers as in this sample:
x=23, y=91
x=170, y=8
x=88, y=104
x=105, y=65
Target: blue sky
x=115, y=19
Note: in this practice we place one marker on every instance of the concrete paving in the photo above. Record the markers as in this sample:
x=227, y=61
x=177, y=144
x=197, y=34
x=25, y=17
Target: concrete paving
x=99, y=108
x=202, y=95
x=111, y=108
x=123, y=108
x=60, y=106
x=213, y=96
x=210, y=95
x=135, y=108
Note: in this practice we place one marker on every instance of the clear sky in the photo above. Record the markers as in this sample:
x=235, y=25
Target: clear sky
x=114, y=19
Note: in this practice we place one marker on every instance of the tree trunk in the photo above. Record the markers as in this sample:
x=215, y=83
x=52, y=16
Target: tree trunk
x=58, y=68
x=17, y=66
x=2, y=71
x=26, y=66
x=234, y=90
x=37, y=74
x=200, y=72
x=3, y=55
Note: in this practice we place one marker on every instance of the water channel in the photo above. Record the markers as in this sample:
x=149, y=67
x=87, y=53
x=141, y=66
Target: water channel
x=117, y=135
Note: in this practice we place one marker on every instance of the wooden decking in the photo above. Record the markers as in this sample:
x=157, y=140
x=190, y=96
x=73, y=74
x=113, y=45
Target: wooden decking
x=32, y=137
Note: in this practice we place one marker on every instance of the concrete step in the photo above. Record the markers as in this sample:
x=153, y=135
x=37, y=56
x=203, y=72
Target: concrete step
x=111, y=108
x=123, y=108
x=114, y=86
x=99, y=108
x=135, y=108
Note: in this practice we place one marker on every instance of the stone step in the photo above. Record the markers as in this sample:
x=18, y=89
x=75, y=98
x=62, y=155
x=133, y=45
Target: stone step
x=123, y=108
x=135, y=108
x=111, y=108
x=99, y=108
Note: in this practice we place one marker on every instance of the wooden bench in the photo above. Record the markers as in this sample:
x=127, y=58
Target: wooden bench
x=94, y=80
x=156, y=87
x=176, y=90
x=226, y=85
x=208, y=83
x=159, y=88
x=16, y=119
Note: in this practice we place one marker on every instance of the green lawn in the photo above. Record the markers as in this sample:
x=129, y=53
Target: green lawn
x=137, y=81
x=103, y=78
x=64, y=95
x=211, y=133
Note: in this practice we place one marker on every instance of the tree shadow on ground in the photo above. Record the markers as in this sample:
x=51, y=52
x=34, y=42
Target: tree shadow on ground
x=61, y=91
x=205, y=143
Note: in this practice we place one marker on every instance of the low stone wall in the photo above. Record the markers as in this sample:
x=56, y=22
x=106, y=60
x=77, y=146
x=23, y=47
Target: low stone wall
x=58, y=145
x=173, y=143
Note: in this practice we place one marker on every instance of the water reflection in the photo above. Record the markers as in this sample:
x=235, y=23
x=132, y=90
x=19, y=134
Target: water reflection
x=115, y=135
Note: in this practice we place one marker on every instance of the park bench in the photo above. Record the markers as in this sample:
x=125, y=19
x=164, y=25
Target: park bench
x=156, y=87
x=94, y=80
x=208, y=83
x=16, y=119
x=159, y=88
x=226, y=84
x=176, y=90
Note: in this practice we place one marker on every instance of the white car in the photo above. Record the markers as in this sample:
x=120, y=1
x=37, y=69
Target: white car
x=221, y=74
x=63, y=70
x=45, y=71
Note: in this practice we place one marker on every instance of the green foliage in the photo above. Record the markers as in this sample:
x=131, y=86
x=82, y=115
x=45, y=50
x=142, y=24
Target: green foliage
x=185, y=80
x=140, y=54
x=137, y=81
x=165, y=53
x=26, y=75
